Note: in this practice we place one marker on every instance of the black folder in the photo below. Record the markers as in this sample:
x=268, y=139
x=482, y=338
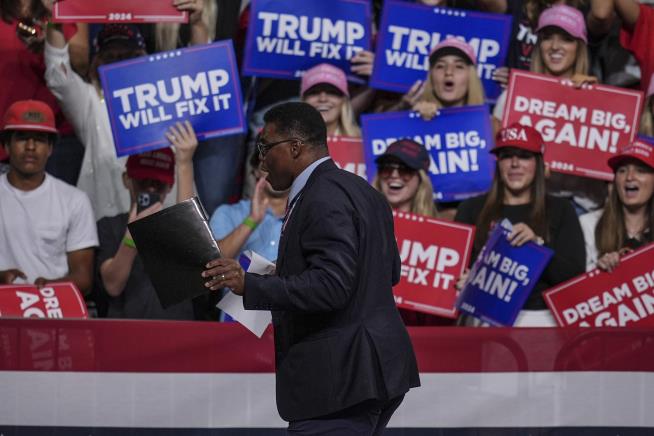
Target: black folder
x=175, y=244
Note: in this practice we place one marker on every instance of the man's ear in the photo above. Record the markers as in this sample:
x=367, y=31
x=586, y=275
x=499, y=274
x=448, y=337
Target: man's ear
x=296, y=149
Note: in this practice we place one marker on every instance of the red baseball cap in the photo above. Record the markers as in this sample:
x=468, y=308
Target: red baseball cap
x=156, y=165
x=639, y=149
x=453, y=46
x=29, y=115
x=519, y=136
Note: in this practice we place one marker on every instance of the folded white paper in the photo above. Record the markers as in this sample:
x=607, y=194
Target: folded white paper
x=254, y=320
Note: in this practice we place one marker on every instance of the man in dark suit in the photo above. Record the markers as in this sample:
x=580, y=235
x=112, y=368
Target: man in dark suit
x=344, y=358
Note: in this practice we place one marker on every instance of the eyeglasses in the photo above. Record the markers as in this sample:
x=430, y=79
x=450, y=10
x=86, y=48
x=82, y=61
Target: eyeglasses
x=510, y=154
x=385, y=170
x=264, y=148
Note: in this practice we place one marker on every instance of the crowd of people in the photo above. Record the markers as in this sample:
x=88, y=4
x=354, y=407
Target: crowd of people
x=66, y=198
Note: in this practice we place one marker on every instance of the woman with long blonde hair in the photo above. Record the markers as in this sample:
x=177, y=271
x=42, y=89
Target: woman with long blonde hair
x=562, y=52
x=325, y=88
x=452, y=80
x=402, y=178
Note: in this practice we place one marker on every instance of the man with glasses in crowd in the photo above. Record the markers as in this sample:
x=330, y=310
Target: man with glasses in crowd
x=343, y=357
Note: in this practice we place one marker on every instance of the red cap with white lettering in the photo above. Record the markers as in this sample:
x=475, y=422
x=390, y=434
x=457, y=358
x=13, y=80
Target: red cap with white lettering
x=639, y=150
x=519, y=136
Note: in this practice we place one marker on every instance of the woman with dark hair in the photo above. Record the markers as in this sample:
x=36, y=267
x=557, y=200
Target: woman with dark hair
x=518, y=194
x=627, y=220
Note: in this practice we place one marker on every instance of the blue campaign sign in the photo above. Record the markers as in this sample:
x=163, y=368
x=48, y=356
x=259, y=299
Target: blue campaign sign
x=409, y=31
x=146, y=95
x=286, y=38
x=458, y=141
x=502, y=278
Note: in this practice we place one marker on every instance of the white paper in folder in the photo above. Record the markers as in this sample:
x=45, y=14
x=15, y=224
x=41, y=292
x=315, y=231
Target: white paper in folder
x=254, y=320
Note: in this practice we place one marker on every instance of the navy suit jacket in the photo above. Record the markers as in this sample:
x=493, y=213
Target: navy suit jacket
x=339, y=339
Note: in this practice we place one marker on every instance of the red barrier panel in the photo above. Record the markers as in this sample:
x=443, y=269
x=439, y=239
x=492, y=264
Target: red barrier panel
x=203, y=347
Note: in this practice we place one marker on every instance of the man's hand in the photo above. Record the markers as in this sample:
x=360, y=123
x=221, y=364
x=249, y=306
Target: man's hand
x=7, y=277
x=225, y=273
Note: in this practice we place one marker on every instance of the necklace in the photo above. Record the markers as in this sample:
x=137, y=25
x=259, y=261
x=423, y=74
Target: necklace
x=635, y=235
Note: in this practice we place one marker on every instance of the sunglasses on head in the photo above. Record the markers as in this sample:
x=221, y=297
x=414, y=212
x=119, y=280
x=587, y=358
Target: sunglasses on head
x=510, y=153
x=386, y=169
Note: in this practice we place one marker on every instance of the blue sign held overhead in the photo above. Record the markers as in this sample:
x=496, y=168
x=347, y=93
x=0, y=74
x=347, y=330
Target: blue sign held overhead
x=409, y=31
x=286, y=38
x=146, y=95
x=502, y=278
x=458, y=141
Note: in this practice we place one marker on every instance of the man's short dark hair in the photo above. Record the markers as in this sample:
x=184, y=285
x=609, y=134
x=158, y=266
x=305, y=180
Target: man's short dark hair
x=5, y=137
x=300, y=120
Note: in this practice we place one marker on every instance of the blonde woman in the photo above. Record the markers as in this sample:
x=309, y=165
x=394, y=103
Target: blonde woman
x=452, y=80
x=402, y=178
x=325, y=88
x=561, y=50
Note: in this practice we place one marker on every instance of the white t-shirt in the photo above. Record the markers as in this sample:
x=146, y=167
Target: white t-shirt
x=39, y=227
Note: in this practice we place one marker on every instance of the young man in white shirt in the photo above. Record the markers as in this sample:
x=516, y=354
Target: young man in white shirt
x=47, y=227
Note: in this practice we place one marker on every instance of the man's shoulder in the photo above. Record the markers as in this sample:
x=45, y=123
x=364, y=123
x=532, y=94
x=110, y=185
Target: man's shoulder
x=332, y=175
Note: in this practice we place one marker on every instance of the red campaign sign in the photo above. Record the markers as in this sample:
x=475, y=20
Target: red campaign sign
x=113, y=11
x=581, y=127
x=347, y=152
x=55, y=300
x=597, y=298
x=434, y=254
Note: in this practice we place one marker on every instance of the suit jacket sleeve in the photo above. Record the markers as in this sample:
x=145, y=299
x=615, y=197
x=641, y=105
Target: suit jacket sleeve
x=329, y=246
